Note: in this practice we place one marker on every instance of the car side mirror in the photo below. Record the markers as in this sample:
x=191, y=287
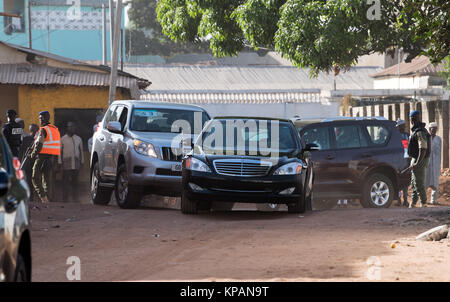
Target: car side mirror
x=5, y=183
x=114, y=127
x=311, y=147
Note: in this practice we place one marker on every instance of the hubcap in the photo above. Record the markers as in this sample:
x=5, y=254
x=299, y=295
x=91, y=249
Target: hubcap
x=379, y=193
x=122, y=186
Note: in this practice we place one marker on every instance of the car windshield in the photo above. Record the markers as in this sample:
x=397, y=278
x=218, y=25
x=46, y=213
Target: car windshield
x=167, y=120
x=248, y=137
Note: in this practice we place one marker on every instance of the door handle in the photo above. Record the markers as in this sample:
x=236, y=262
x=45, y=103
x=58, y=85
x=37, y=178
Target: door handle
x=330, y=156
x=101, y=138
x=110, y=141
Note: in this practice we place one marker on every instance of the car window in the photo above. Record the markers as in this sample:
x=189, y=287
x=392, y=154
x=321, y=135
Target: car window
x=379, y=135
x=349, y=136
x=108, y=115
x=162, y=120
x=319, y=136
x=123, y=117
x=5, y=161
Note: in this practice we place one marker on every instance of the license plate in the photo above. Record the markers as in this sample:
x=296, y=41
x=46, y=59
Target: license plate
x=176, y=167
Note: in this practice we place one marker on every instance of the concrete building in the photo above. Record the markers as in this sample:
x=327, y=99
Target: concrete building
x=32, y=81
x=57, y=27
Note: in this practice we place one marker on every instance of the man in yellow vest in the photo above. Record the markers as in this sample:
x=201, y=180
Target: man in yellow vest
x=46, y=148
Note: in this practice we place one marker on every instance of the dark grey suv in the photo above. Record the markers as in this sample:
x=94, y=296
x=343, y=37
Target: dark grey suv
x=15, y=240
x=136, y=150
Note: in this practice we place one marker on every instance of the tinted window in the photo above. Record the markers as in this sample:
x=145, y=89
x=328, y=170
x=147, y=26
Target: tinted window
x=161, y=120
x=349, y=136
x=123, y=117
x=248, y=136
x=319, y=136
x=379, y=135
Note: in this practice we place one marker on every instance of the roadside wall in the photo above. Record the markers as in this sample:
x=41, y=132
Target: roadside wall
x=432, y=111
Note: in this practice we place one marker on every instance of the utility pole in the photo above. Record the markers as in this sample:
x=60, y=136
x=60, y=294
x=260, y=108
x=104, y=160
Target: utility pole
x=104, y=47
x=115, y=53
x=29, y=25
x=111, y=27
x=121, y=49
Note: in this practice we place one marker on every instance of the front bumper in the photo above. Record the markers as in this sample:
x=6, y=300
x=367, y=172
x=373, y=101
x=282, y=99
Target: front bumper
x=242, y=189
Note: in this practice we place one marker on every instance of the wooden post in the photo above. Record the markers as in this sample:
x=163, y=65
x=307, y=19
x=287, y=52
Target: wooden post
x=115, y=57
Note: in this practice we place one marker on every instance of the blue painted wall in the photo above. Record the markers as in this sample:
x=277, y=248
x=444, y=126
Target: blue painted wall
x=82, y=44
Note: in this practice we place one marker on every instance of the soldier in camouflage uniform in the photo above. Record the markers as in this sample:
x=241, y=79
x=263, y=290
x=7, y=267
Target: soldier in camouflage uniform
x=46, y=148
x=419, y=150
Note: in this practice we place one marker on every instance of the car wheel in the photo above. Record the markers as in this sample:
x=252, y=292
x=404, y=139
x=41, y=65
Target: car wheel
x=298, y=207
x=309, y=201
x=267, y=207
x=99, y=195
x=378, y=192
x=127, y=196
x=204, y=205
x=188, y=206
x=20, y=274
x=222, y=206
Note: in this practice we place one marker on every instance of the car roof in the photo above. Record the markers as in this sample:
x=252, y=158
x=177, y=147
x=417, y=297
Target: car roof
x=162, y=105
x=304, y=122
x=252, y=118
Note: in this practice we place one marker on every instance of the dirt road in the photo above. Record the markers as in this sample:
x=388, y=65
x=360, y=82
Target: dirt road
x=350, y=244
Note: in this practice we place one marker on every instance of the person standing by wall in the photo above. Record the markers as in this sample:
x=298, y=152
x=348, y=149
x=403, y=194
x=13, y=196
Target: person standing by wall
x=434, y=168
x=71, y=160
x=13, y=132
x=46, y=147
x=419, y=151
x=405, y=138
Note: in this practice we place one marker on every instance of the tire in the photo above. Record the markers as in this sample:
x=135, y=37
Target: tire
x=298, y=207
x=188, y=206
x=309, y=201
x=204, y=206
x=127, y=196
x=99, y=195
x=222, y=206
x=20, y=274
x=378, y=192
x=268, y=207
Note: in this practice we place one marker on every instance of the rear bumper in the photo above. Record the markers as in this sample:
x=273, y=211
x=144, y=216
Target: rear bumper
x=241, y=189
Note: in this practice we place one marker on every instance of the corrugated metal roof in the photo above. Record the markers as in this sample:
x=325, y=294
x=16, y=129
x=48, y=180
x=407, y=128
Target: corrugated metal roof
x=249, y=97
x=237, y=78
x=28, y=74
x=418, y=66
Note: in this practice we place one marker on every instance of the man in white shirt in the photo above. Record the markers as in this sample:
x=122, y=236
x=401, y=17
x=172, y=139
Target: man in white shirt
x=71, y=159
x=434, y=168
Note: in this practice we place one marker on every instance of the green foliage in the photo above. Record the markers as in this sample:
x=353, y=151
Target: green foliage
x=322, y=35
x=446, y=73
x=143, y=15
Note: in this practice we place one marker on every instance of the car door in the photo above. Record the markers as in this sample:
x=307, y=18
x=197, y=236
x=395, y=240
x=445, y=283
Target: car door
x=110, y=145
x=116, y=139
x=319, y=134
x=351, y=155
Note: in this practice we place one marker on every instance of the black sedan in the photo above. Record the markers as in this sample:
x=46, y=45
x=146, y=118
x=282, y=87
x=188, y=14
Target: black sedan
x=242, y=159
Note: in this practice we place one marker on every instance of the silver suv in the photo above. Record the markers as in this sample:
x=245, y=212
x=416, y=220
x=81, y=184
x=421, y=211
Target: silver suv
x=137, y=150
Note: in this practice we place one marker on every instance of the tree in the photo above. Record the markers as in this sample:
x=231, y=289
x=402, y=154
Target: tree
x=145, y=35
x=322, y=35
x=446, y=73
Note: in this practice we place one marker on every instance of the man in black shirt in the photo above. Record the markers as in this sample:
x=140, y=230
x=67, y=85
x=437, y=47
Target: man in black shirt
x=13, y=132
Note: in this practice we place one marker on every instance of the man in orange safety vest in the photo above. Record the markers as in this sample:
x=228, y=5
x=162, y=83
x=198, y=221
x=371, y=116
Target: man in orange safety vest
x=46, y=148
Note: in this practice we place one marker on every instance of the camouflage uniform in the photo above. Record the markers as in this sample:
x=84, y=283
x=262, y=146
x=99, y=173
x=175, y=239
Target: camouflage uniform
x=419, y=174
x=42, y=167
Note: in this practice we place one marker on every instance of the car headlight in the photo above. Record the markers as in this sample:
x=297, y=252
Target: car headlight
x=289, y=169
x=144, y=148
x=196, y=165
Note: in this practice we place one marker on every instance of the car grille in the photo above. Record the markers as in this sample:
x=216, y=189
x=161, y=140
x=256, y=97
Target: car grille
x=242, y=167
x=170, y=154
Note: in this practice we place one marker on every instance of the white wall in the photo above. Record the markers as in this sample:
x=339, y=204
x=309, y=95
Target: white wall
x=405, y=83
x=279, y=110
